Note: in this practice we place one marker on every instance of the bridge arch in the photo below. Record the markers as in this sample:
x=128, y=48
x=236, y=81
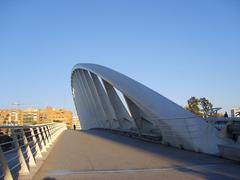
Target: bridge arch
x=141, y=110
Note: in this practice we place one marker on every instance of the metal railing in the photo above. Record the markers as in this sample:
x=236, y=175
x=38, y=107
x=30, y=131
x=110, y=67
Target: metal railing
x=21, y=146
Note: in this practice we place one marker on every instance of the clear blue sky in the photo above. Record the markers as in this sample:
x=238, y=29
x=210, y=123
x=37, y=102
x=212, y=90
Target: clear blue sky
x=178, y=48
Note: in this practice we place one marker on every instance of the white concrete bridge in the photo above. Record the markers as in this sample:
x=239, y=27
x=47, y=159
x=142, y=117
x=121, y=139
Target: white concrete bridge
x=129, y=132
x=108, y=99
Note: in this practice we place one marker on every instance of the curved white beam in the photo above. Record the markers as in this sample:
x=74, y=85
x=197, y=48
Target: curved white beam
x=153, y=113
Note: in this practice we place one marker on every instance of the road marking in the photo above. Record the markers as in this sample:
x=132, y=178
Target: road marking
x=133, y=170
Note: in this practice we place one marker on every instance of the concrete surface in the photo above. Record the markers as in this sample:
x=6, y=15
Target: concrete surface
x=144, y=110
x=98, y=154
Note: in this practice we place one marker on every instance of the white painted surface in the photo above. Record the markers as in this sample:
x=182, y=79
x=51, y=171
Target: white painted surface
x=179, y=127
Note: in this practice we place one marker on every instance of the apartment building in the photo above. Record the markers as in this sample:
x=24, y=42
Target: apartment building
x=49, y=114
x=35, y=116
x=30, y=116
x=11, y=116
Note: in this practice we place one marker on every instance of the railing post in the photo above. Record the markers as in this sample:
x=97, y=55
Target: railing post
x=23, y=165
x=4, y=165
x=38, y=154
x=50, y=130
x=31, y=161
x=53, y=133
x=43, y=147
x=58, y=131
x=29, y=144
x=48, y=135
x=45, y=137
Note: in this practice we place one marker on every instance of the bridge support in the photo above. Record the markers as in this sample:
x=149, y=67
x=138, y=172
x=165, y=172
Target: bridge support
x=98, y=109
x=144, y=121
x=121, y=113
x=105, y=103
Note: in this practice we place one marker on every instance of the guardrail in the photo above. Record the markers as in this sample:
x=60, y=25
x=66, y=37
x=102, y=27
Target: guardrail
x=21, y=146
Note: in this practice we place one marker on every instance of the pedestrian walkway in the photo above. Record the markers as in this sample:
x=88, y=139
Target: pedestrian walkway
x=98, y=154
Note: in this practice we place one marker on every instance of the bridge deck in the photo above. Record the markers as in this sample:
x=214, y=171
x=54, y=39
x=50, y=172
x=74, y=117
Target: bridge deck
x=98, y=154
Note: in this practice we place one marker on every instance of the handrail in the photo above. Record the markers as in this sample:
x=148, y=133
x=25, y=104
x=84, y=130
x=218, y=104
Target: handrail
x=25, y=145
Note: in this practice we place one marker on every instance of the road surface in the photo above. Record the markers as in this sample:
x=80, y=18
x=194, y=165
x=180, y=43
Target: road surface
x=98, y=154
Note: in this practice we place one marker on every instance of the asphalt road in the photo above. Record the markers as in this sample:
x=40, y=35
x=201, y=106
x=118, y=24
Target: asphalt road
x=97, y=154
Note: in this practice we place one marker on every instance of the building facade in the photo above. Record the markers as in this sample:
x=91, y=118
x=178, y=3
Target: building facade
x=76, y=122
x=35, y=116
x=49, y=115
x=30, y=116
x=11, y=116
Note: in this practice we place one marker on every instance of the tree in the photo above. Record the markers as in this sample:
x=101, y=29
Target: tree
x=206, y=107
x=193, y=105
x=200, y=107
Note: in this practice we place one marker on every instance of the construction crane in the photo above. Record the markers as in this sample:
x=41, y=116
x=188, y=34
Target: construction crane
x=17, y=104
